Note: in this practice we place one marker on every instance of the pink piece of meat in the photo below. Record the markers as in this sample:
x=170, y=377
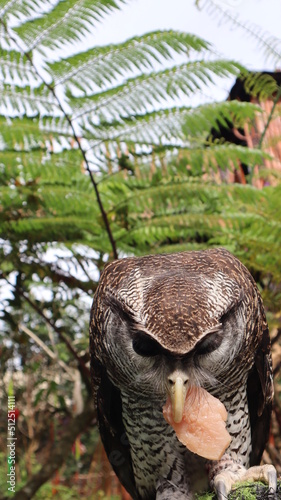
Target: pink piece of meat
x=202, y=429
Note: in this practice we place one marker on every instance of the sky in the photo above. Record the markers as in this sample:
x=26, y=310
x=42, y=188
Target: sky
x=140, y=16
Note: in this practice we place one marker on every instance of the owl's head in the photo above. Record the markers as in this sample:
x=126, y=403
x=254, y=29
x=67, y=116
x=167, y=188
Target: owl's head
x=166, y=332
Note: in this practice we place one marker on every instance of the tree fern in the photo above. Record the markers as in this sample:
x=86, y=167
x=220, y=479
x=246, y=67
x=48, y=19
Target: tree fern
x=51, y=114
x=161, y=217
x=29, y=133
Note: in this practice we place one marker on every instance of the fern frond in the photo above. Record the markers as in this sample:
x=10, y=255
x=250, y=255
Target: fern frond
x=149, y=128
x=58, y=127
x=259, y=85
x=24, y=8
x=27, y=100
x=186, y=129
x=25, y=134
x=268, y=44
x=161, y=229
x=103, y=65
x=199, y=121
x=25, y=168
x=225, y=156
x=68, y=22
x=186, y=211
x=41, y=207
x=64, y=168
x=42, y=229
x=16, y=68
x=178, y=192
x=144, y=91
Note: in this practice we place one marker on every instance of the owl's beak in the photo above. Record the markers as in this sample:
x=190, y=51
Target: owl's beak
x=177, y=388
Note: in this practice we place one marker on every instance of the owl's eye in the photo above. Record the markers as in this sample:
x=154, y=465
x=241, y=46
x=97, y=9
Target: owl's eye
x=210, y=343
x=145, y=345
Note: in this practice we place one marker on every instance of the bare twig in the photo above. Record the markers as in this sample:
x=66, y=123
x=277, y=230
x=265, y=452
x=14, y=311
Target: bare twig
x=46, y=349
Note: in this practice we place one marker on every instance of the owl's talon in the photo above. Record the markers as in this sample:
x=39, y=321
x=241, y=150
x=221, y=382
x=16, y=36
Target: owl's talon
x=272, y=480
x=221, y=490
x=266, y=473
x=225, y=480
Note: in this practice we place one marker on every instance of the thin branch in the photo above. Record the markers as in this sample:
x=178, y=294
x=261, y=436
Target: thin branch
x=76, y=138
x=38, y=341
x=46, y=349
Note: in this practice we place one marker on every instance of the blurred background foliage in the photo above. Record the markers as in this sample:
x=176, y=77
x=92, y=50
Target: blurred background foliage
x=99, y=159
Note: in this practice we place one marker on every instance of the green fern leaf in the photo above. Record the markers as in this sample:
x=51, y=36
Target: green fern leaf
x=260, y=85
x=103, y=65
x=27, y=100
x=25, y=134
x=67, y=22
x=16, y=67
x=155, y=87
x=23, y=8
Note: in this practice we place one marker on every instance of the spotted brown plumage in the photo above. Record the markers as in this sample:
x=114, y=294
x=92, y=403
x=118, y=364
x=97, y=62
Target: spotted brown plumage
x=196, y=314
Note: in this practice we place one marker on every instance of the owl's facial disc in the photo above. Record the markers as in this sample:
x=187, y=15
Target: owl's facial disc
x=177, y=386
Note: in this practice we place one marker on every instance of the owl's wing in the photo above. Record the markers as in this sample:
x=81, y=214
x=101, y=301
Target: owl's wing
x=112, y=431
x=260, y=395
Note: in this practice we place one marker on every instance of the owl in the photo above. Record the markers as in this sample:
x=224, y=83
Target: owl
x=162, y=325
